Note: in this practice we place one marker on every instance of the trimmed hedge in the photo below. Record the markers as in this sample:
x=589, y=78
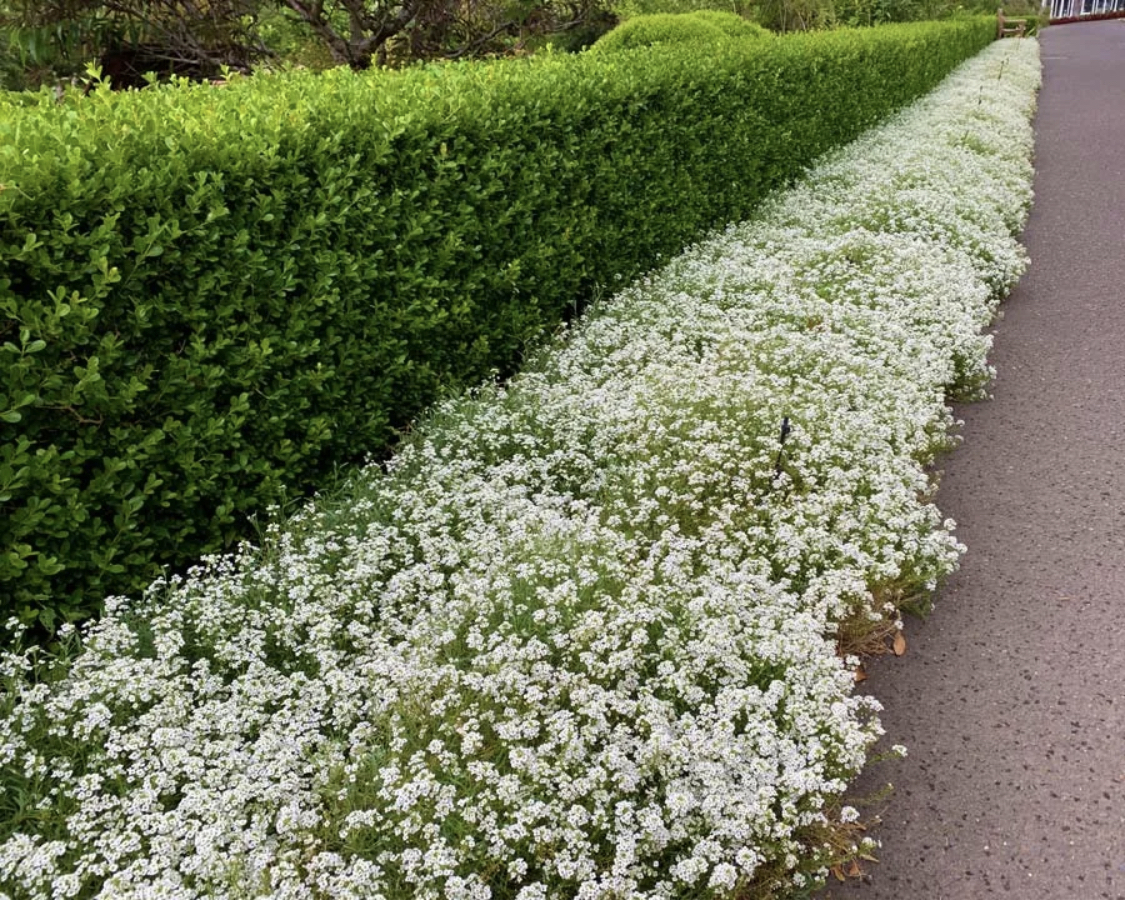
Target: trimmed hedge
x=210, y=295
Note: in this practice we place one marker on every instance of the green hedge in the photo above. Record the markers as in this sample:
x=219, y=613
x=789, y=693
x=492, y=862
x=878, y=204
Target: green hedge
x=628, y=9
x=729, y=23
x=210, y=294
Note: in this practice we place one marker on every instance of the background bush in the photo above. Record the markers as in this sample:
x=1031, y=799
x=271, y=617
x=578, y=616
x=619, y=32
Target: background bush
x=627, y=9
x=729, y=23
x=657, y=29
x=702, y=26
x=210, y=296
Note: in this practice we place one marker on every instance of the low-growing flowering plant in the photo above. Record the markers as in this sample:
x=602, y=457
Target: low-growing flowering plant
x=578, y=639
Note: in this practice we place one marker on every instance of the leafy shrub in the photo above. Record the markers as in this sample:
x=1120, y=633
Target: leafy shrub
x=729, y=23
x=661, y=28
x=706, y=26
x=627, y=9
x=211, y=296
x=10, y=99
x=572, y=40
x=784, y=16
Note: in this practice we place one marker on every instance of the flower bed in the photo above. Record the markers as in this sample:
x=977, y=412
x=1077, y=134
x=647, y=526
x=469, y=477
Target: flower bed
x=579, y=638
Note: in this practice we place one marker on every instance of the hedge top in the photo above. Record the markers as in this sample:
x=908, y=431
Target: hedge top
x=51, y=144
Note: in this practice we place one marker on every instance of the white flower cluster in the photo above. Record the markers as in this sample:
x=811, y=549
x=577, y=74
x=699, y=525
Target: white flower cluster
x=577, y=640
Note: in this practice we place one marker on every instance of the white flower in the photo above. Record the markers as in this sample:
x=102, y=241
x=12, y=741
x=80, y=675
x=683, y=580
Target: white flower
x=724, y=877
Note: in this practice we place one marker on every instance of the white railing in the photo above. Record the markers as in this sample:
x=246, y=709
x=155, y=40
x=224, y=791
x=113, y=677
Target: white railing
x=1066, y=9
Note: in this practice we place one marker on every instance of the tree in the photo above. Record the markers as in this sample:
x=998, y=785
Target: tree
x=362, y=32
x=198, y=38
x=130, y=37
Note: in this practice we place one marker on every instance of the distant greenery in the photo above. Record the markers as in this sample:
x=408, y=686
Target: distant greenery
x=628, y=9
x=811, y=15
x=47, y=41
x=876, y=12
x=730, y=24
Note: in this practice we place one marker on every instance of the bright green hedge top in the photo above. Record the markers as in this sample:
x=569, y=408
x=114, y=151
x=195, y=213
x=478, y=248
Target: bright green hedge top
x=209, y=296
x=660, y=28
x=702, y=26
x=730, y=24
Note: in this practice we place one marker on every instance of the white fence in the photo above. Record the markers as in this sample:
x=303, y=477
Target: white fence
x=1065, y=9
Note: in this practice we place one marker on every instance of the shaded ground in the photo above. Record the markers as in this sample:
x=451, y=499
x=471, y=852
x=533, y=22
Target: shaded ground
x=1011, y=697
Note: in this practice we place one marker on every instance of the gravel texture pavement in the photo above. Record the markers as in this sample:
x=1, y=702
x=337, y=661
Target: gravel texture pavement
x=1011, y=696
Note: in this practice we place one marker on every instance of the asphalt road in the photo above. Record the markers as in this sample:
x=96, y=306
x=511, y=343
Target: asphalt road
x=1011, y=697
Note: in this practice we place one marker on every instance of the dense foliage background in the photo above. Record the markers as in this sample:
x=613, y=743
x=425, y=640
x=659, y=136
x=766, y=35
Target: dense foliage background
x=52, y=41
